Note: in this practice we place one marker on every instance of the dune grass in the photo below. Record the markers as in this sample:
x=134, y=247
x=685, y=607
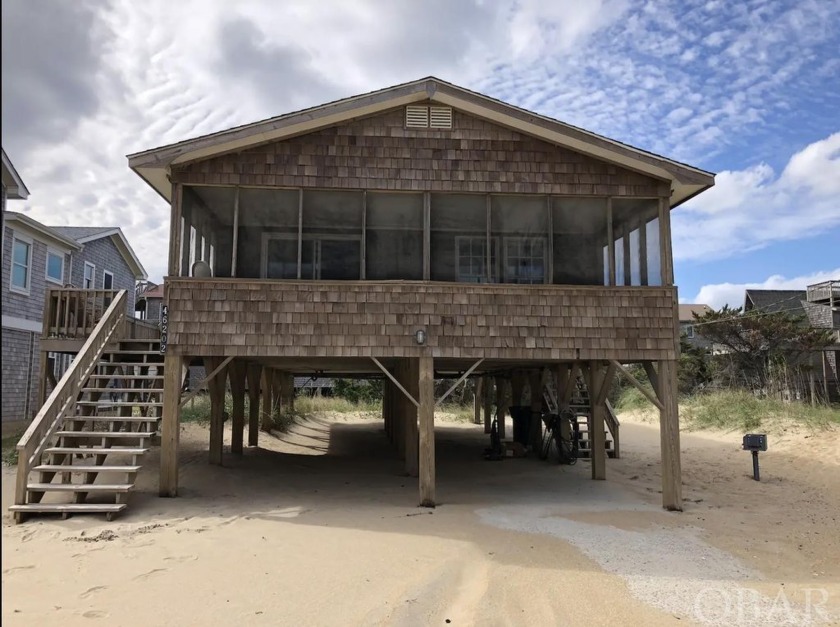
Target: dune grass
x=9, y=451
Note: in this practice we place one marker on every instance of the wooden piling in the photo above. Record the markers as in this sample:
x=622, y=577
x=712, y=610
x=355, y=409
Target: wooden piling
x=170, y=425
x=253, y=372
x=238, y=375
x=427, y=430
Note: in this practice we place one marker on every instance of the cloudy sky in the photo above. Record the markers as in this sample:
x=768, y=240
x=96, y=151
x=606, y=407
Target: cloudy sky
x=747, y=89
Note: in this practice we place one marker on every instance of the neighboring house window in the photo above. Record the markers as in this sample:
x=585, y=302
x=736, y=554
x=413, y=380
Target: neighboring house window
x=524, y=260
x=472, y=259
x=90, y=275
x=107, y=280
x=689, y=331
x=55, y=267
x=21, y=263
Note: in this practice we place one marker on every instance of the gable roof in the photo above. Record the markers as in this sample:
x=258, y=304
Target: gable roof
x=154, y=165
x=153, y=291
x=85, y=234
x=687, y=311
x=15, y=187
x=49, y=233
x=774, y=301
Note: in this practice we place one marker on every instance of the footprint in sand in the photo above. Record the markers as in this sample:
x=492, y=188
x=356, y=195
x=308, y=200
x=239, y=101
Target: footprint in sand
x=150, y=573
x=181, y=558
x=10, y=571
x=91, y=591
x=95, y=614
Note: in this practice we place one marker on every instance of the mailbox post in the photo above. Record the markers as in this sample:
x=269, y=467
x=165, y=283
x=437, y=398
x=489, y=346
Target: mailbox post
x=755, y=442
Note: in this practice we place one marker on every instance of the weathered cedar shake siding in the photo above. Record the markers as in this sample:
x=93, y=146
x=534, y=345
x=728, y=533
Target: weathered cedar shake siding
x=379, y=153
x=258, y=318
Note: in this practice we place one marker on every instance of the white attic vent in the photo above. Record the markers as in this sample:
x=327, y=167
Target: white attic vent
x=440, y=117
x=416, y=117
x=419, y=116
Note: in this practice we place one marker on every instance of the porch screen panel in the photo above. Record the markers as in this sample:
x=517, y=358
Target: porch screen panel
x=579, y=231
x=268, y=231
x=520, y=225
x=630, y=215
x=459, y=239
x=394, y=236
x=332, y=235
x=654, y=269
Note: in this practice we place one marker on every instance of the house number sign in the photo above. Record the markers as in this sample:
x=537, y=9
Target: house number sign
x=164, y=327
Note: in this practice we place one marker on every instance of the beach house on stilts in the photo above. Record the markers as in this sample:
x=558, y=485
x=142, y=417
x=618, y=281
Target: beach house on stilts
x=418, y=232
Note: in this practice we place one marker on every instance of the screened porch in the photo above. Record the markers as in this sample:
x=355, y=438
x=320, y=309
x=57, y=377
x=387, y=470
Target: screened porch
x=333, y=235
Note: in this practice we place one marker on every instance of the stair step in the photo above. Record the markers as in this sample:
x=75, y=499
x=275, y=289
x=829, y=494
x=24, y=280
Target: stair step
x=115, y=364
x=133, y=351
x=69, y=508
x=121, y=403
x=133, y=377
x=63, y=468
x=80, y=487
x=96, y=450
x=95, y=418
x=121, y=390
x=104, y=434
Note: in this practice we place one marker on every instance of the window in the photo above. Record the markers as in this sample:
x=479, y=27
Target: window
x=689, y=331
x=107, y=280
x=524, y=260
x=21, y=261
x=89, y=277
x=55, y=267
x=472, y=260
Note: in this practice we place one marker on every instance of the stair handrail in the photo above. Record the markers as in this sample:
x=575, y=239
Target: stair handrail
x=612, y=425
x=66, y=392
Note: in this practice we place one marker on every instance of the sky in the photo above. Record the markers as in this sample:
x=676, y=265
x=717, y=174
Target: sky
x=747, y=89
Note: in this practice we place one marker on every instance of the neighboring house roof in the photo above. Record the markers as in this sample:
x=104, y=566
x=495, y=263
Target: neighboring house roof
x=154, y=165
x=47, y=232
x=155, y=291
x=15, y=187
x=85, y=234
x=774, y=301
x=687, y=311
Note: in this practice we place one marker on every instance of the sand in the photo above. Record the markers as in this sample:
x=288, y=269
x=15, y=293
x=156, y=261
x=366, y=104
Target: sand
x=320, y=527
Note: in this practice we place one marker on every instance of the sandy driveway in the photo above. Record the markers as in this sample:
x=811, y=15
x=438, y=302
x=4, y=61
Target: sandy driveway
x=320, y=527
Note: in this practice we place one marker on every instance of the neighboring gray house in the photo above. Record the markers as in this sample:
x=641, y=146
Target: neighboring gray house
x=686, y=313
x=38, y=257
x=149, y=302
x=819, y=306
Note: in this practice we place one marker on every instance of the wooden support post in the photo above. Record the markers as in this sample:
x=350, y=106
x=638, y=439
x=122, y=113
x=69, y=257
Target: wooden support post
x=175, y=234
x=535, y=383
x=669, y=434
x=238, y=374
x=235, y=246
x=216, y=387
x=287, y=392
x=170, y=425
x=643, y=266
x=625, y=249
x=597, y=433
x=610, y=244
x=412, y=381
x=426, y=376
x=478, y=393
x=266, y=416
x=253, y=373
x=488, y=401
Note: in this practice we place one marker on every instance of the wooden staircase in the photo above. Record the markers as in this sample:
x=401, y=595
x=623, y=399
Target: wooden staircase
x=87, y=458
x=580, y=405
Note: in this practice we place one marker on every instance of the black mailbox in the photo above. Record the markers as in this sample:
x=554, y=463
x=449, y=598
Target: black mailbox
x=755, y=442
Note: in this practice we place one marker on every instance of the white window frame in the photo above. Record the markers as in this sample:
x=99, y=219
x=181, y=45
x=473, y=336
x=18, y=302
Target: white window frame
x=494, y=258
x=520, y=239
x=110, y=274
x=689, y=331
x=31, y=243
x=60, y=255
x=92, y=286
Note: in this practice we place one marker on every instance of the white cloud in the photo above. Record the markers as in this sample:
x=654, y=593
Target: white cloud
x=751, y=208
x=732, y=294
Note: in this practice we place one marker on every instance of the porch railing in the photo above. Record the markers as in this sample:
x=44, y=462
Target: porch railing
x=62, y=400
x=72, y=313
x=827, y=290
